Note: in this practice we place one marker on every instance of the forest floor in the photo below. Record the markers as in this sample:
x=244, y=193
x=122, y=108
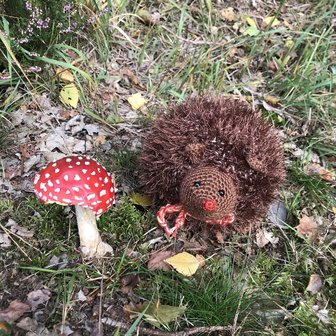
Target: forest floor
x=278, y=280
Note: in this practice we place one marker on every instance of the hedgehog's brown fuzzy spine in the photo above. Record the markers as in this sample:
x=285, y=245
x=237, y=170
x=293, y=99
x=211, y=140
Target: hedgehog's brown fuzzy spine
x=236, y=139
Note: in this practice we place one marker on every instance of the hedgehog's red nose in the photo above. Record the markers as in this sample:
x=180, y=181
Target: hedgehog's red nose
x=209, y=205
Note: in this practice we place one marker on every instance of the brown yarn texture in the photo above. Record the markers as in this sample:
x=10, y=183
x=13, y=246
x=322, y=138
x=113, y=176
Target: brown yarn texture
x=219, y=132
x=206, y=183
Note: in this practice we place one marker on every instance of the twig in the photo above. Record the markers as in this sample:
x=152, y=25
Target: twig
x=148, y=331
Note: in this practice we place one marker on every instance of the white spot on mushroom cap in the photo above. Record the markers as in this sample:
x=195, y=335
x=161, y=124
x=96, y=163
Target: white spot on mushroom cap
x=47, y=175
x=54, y=164
x=75, y=189
x=106, y=179
x=57, y=170
x=36, y=178
x=68, y=159
x=78, y=163
x=88, y=197
x=57, y=190
x=87, y=163
x=50, y=184
x=77, y=177
x=102, y=193
x=57, y=181
x=86, y=186
x=84, y=171
x=43, y=186
x=66, y=200
x=66, y=177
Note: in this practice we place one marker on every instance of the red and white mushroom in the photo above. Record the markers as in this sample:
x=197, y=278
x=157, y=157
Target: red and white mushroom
x=83, y=182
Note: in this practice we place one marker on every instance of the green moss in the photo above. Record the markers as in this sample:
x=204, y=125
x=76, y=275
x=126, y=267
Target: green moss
x=125, y=222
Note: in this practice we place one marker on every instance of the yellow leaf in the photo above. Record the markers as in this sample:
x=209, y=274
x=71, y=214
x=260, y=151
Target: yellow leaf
x=136, y=101
x=69, y=95
x=334, y=210
x=272, y=100
x=251, y=22
x=184, y=263
x=270, y=19
x=251, y=31
x=161, y=315
x=64, y=75
x=140, y=199
x=228, y=14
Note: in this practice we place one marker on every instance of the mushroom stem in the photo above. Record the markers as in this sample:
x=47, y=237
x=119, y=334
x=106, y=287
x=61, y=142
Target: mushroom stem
x=91, y=243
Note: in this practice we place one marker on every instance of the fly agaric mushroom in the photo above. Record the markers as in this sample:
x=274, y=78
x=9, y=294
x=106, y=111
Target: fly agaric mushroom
x=83, y=182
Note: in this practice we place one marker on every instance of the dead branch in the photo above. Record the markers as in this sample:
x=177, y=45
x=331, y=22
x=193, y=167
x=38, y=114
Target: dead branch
x=147, y=331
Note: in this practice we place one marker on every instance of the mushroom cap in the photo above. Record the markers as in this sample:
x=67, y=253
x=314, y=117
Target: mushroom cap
x=76, y=180
x=208, y=193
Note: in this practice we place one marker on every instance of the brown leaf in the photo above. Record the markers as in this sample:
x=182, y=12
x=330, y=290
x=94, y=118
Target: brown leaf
x=38, y=297
x=308, y=228
x=128, y=282
x=157, y=260
x=228, y=14
x=220, y=237
x=315, y=284
x=131, y=75
x=316, y=169
x=15, y=310
x=264, y=237
x=19, y=230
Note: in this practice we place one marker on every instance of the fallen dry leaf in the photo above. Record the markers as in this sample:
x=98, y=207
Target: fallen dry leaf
x=272, y=19
x=148, y=18
x=201, y=260
x=15, y=310
x=308, y=228
x=38, y=297
x=252, y=30
x=64, y=75
x=28, y=324
x=272, y=100
x=228, y=14
x=314, y=169
x=4, y=240
x=131, y=75
x=157, y=260
x=315, y=284
x=160, y=315
x=69, y=95
x=184, y=263
x=136, y=101
x=128, y=282
x=220, y=237
x=19, y=230
x=141, y=199
x=264, y=237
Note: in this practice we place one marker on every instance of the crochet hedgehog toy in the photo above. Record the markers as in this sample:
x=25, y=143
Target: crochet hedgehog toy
x=213, y=159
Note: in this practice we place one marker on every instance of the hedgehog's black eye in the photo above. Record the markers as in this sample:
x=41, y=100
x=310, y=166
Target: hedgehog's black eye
x=221, y=192
x=197, y=184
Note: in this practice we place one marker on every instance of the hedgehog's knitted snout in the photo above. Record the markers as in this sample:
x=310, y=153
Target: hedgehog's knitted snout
x=208, y=193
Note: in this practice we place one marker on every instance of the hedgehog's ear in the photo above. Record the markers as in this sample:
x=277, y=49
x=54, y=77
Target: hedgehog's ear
x=194, y=152
x=256, y=162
